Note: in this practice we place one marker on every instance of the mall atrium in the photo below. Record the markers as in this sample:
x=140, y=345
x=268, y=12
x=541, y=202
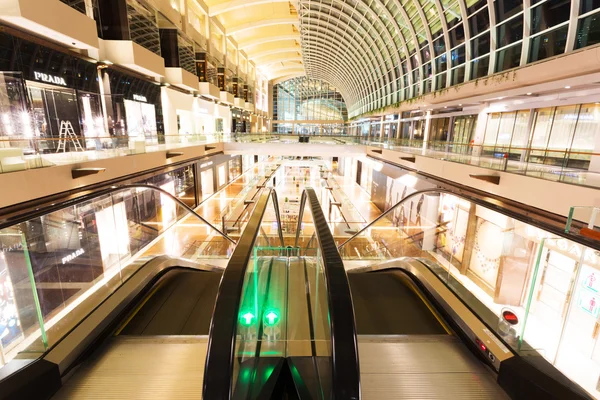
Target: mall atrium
x=309, y=199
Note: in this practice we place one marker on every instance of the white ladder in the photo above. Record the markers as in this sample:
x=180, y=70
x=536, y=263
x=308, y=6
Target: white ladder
x=67, y=133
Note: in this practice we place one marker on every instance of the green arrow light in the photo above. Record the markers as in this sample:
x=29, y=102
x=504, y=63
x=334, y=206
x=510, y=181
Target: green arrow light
x=246, y=319
x=271, y=318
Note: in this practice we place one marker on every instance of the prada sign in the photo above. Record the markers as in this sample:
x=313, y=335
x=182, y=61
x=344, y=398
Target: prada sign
x=57, y=80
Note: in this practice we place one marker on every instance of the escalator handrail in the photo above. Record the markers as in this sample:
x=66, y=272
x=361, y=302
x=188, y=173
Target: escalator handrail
x=218, y=371
x=346, y=369
x=72, y=202
x=277, y=216
x=490, y=205
x=392, y=208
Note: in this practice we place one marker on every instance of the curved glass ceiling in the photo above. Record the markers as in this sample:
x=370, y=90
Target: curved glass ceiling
x=381, y=52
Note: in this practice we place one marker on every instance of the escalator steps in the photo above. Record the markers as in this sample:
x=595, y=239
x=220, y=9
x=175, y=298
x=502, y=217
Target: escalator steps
x=385, y=305
x=181, y=304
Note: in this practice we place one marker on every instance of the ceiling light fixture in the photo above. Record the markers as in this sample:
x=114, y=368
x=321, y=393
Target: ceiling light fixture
x=567, y=87
x=529, y=94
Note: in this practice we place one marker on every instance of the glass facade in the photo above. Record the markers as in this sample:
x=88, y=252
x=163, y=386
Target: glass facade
x=401, y=50
x=304, y=106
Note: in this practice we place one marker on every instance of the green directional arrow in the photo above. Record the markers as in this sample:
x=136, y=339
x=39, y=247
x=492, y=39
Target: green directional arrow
x=247, y=318
x=271, y=318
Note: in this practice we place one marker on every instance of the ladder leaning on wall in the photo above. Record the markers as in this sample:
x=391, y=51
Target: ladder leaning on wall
x=67, y=133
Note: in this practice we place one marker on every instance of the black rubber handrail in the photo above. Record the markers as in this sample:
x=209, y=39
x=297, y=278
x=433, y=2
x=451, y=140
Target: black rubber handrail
x=113, y=189
x=218, y=371
x=345, y=365
x=438, y=191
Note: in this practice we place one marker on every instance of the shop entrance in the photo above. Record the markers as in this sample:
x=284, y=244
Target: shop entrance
x=141, y=121
x=53, y=107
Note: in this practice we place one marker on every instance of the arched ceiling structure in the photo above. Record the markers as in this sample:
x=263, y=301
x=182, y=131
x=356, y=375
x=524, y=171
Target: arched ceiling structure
x=380, y=52
x=267, y=31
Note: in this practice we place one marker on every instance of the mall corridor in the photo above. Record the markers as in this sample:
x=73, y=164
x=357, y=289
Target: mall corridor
x=307, y=199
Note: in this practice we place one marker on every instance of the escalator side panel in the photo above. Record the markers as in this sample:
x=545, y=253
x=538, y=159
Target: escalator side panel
x=385, y=305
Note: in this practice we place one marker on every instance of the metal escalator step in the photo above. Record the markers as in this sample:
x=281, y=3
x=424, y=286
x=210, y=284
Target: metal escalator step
x=141, y=368
x=428, y=367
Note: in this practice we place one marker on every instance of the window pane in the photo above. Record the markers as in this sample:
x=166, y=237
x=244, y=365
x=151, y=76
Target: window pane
x=586, y=133
x=548, y=14
x=541, y=131
x=425, y=55
x=520, y=135
x=441, y=64
x=479, y=67
x=588, y=5
x=491, y=130
x=480, y=45
x=458, y=75
x=479, y=22
x=507, y=124
x=439, y=46
x=458, y=56
x=588, y=31
x=562, y=128
x=508, y=58
x=457, y=36
x=510, y=32
x=548, y=44
x=440, y=81
x=507, y=8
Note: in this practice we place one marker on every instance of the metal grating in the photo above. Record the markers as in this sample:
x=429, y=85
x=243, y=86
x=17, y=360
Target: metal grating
x=423, y=367
x=170, y=367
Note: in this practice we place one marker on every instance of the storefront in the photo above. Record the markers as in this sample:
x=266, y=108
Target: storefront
x=186, y=115
x=204, y=118
x=235, y=167
x=47, y=93
x=133, y=106
x=223, y=119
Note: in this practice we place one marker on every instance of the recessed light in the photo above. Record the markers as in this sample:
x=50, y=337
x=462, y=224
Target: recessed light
x=567, y=87
x=500, y=98
x=529, y=94
x=460, y=105
x=445, y=106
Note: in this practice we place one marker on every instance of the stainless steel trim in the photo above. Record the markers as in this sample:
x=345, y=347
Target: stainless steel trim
x=466, y=320
x=72, y=345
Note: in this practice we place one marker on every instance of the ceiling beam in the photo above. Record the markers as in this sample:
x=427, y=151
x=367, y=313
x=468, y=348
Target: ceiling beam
x=237, y=4
x=280, y=58
x=260, y=23
x=287, y=49
x=268, y=39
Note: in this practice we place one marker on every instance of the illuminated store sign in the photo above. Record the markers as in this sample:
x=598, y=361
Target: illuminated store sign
x=72, y=256
x=57, y=80
x=139, y=97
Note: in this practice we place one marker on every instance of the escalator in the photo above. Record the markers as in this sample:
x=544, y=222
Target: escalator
x=422, y=334
x=125, y=336
x=285, y=320
x=273, y=324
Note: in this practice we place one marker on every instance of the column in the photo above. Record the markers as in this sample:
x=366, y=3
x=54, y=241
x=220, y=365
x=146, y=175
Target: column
x=115, y=24
x=426, y=131
x=477, y=141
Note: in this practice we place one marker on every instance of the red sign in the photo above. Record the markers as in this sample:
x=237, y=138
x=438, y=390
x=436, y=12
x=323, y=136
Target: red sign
x=510, y=317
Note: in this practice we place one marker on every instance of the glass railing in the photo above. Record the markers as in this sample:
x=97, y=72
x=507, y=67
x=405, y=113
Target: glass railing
x=496, y=263
x=19, y=153
x=53, y=261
